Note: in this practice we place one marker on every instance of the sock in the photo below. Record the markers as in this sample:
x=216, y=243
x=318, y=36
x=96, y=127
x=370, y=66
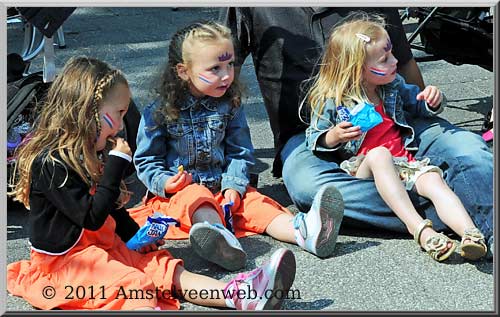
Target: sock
x=298, y=224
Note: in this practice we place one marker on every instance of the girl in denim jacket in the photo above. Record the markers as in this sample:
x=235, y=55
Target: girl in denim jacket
x=72, y=182
x=358, y=71
x=194, y=154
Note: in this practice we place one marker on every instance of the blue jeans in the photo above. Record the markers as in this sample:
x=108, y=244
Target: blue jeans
x=463, y=156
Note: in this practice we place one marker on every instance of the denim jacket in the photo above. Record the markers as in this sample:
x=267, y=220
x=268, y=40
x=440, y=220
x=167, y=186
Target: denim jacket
x=211, y=139
x=400, y=103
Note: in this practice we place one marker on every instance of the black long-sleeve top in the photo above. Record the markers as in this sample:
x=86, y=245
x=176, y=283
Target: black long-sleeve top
x=61, y=205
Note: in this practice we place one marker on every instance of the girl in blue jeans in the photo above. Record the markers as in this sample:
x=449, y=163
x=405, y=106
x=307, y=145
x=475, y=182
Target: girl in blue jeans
x=358, y=71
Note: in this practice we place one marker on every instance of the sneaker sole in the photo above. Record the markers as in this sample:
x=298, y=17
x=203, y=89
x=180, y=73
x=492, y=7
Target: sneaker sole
x=280, y=283
x=212, y=246
x=331, y=208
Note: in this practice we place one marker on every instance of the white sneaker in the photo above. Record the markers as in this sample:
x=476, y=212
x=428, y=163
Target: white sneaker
x=317, y=230
x=218, y=245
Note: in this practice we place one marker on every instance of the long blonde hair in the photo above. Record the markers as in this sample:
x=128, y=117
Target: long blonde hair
x=173, y=89
x=68, y=124
x=340, y=72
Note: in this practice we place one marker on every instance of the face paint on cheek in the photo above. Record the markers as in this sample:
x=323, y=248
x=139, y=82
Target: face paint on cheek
x=388, y=46
x=204, y=79
x=224, y=57
x=377, y=71
x=109, y=120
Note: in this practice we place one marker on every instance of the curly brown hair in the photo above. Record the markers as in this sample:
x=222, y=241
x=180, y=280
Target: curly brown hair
x=63, y=126
x=172, y=89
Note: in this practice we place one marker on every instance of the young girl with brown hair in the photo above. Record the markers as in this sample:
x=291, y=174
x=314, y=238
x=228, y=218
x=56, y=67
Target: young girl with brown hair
x=72, y=184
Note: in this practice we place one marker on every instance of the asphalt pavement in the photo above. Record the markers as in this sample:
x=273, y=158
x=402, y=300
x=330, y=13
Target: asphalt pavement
x=370, y=270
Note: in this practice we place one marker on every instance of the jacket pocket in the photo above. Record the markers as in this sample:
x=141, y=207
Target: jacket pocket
x=182, y=137
x=217, y=129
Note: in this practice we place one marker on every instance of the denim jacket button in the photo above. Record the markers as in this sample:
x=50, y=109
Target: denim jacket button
x=203, y=155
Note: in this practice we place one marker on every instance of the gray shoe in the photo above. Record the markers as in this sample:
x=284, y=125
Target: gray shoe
x=317, y=230
x=218, y=245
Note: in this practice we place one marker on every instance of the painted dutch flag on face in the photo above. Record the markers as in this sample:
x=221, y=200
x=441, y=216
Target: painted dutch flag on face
x=377, y=71
x=109, y=120
x=204, y=79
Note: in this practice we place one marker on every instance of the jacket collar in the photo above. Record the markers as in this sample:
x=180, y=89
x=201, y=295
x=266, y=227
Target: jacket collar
x=208, y=102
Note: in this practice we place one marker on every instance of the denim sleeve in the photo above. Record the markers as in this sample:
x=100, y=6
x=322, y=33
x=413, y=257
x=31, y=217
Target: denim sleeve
x=418, y=108
x=151, y=154
x=320, y=124
x=238, y=153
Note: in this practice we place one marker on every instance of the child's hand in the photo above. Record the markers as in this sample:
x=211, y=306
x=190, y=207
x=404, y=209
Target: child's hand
x=122, y=146
x=234, y=196
x=124, y=198
x=178, y=182
x=151, y=247
x=432, y=95
x=342, y=132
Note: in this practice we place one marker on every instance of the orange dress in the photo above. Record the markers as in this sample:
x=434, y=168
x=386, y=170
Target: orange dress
x=255, y=213
x=99, y=272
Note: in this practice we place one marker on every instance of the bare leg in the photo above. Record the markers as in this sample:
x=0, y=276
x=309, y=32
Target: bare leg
x=281, y=228
x=448, y=206
x=190, y=285
x=206, y=212
x=185, y=281
x=379, y=165
x=452, y=212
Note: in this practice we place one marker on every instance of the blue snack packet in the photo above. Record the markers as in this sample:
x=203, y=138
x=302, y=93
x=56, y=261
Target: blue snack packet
x=228, y=216
x=343, y=113
x=365, y=116
x=153, y=230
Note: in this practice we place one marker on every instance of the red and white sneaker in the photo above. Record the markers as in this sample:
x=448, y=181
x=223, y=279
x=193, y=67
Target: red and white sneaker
x=265, y=287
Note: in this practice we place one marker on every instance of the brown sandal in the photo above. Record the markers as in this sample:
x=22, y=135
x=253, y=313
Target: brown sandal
x=475, y=250
x=436, y=246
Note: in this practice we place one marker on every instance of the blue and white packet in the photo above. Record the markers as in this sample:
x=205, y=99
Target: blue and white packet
x=365, y=116
x=228, y=216
x=154, y=229
x=343, y=113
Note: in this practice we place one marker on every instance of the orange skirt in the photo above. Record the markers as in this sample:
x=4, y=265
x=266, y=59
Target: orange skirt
x=255, y=213
x=99, y=272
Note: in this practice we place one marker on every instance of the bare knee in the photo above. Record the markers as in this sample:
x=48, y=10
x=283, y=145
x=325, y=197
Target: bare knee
x=430, y=183
x=379, y=156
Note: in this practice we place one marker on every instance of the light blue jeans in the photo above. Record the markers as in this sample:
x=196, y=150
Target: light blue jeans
x=463, y=156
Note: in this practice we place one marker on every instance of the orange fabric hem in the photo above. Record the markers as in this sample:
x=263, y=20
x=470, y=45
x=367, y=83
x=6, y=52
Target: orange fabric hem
x=99, y=272
x=255, y=213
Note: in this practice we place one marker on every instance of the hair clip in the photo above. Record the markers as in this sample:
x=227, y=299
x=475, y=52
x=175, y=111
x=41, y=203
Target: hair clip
x=365, y=38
